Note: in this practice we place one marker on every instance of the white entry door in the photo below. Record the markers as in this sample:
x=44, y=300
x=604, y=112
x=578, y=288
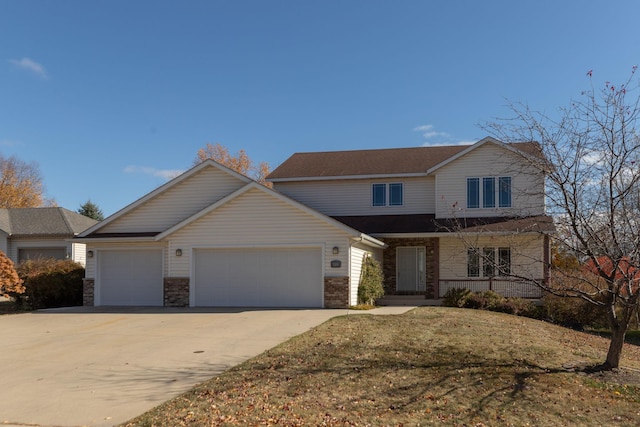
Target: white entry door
x=411, y=269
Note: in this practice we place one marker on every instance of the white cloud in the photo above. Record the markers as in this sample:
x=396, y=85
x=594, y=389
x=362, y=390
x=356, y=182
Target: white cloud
x=447, y=143
x=435, y=138
x=162, y=173
x=31, y=66
x=9, y=143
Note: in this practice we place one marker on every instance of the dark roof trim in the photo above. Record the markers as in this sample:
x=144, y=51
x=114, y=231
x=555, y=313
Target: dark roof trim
x=427, y=223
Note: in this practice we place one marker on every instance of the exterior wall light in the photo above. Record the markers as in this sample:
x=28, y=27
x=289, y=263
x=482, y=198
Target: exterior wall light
x=178, y=252
x=89, y=254
x=336, y=250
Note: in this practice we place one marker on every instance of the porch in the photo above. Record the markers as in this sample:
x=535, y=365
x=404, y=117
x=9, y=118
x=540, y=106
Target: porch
x=504, y=287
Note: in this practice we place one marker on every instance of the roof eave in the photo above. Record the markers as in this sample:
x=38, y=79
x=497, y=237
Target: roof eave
x=340, y=177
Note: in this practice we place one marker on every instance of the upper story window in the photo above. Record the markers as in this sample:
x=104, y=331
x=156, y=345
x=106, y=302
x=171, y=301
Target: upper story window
x=387, y=194
x=486, y=191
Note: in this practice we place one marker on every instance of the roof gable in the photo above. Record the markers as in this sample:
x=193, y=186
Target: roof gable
x=415, y=161
x=292, y=203
x=209, y=179
x=525, y=149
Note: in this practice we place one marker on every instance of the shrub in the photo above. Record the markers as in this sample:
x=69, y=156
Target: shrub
x=486, y=300
x=50, y=283
x=455, y=297
x=10, y=282
x=517, y=306
x=573, y=312
x=371, y=278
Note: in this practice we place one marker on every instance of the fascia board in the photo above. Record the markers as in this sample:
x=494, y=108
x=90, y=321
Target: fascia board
x=454, y=233
x=111, y=239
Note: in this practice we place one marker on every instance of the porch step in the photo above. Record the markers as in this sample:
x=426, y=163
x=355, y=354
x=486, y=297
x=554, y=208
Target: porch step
x=407, y=300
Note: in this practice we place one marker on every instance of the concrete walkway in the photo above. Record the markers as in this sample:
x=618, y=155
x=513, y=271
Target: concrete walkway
x=100, y=367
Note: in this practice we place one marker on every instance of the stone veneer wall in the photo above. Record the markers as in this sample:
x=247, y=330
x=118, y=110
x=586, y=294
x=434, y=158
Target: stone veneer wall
x=176, y=292
x=389, y=263
x=336, y=292
x=88, y=286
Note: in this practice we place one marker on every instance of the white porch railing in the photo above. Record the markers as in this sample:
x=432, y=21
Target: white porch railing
x=504, y=287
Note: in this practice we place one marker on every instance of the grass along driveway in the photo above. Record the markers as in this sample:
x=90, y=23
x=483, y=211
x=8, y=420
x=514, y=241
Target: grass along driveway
x=431, y=366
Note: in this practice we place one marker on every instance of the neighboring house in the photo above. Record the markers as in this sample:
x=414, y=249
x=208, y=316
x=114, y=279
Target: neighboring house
x=434, y=216
x=31, y=233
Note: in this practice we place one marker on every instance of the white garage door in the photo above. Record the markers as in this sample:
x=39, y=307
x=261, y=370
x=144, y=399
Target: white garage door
x=259, y=277
x=130, y=277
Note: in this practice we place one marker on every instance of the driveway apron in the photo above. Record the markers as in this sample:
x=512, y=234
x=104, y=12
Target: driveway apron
x=91, y=367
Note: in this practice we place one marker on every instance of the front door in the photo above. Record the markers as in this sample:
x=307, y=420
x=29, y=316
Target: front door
x=410, y=269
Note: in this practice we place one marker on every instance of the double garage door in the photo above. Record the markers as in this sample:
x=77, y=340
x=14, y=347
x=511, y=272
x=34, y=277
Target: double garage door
x=258, y=277
x=236, y=277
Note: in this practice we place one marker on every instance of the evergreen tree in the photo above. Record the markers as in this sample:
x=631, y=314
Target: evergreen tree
x=91, y=210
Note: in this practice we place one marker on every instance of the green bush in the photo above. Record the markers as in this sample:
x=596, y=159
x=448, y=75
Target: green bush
x=489, y=300
x=572, y=312
x=50, y=283
x=455, y=297
x=371, y=282
x=486, y=300
x=517, y=306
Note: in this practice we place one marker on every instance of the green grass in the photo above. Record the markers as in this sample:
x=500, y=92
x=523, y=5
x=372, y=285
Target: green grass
x=431, y=366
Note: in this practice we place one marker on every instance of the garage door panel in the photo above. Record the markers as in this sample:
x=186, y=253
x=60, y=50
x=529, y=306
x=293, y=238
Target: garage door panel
x=258, y=277
x=131, y=277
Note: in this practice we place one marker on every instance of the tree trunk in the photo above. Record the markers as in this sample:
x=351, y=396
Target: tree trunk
x=615, y=347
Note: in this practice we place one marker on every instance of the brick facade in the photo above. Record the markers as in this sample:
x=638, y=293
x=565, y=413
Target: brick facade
x=176, y=292
x=389, y=263
x=88, y=286
x=336, y=292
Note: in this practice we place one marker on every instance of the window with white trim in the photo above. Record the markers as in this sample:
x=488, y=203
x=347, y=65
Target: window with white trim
x=387, y=194
x=488, y=262
x=486, y=191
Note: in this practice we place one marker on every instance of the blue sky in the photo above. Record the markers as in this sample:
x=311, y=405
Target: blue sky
x=111, y=97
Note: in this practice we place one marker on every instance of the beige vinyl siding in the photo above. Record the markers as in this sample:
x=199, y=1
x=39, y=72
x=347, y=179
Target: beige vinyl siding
x=256, y=219
x=96, y=247
x=357, y=257
x=527, y=254
x=353, y=196
x=177, y=203
x=527, y=183
x=79, y=253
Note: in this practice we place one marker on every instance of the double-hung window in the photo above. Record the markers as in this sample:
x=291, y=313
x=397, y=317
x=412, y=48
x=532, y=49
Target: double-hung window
x=488, y=262
x=387, y=194
x=485, y=191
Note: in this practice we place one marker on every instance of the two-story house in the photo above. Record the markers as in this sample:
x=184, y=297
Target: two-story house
x=436, y=217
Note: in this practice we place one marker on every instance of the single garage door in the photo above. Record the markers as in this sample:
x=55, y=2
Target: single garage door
x=130, y=277
x=258, y=277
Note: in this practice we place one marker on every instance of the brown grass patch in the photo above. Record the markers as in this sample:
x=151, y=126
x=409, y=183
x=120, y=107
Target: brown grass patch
x=431, y=366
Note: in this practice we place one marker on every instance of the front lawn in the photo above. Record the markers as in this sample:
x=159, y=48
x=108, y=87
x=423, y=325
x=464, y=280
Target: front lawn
x=431, y=366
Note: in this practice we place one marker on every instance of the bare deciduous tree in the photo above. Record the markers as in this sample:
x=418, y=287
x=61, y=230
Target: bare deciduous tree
x=592, y=156
x=239, y=162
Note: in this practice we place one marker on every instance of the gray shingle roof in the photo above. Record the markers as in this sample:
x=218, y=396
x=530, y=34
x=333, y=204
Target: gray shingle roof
x=390, y=161
x=43, y=222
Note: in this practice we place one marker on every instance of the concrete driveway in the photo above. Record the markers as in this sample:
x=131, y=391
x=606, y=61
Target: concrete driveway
x=85, y=366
